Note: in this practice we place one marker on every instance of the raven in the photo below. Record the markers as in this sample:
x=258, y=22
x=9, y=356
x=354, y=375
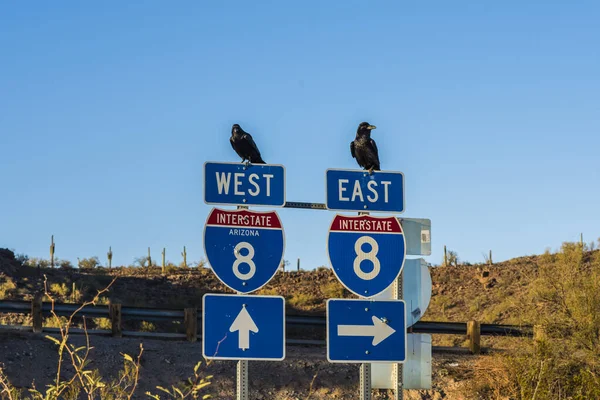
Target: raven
x=244, y=145
x=364, y=149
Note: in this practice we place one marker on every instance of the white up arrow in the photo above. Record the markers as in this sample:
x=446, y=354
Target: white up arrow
x=379, y=330
x=243, y=324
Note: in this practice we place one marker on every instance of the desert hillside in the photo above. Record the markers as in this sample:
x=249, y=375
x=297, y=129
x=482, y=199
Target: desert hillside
x=559, y=292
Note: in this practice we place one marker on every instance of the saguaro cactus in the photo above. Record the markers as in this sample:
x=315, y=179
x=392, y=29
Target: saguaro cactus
x=163, y=259
x=149, y=258
x=109, y=255
x=52, y=252
x=445, y=256
x=184, y=255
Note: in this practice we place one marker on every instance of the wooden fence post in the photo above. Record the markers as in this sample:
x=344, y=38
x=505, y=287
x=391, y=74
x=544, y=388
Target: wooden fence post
x=474, y=336
x=191, y=324
x=114, y=311
x=36, y=313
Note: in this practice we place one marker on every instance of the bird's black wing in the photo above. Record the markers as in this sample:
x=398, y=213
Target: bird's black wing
x=248, y=137
x=375, y=152
x=352, y=149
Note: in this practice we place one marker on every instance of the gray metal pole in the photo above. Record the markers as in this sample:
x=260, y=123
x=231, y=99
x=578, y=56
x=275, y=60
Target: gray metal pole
x=242, y=365
x=242, y=380
x=365, y=368
x=397, y=372
x=365, y=381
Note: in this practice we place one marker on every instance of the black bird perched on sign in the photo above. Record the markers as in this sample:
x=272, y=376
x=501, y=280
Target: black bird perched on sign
x=244, y=145
x=364, y=149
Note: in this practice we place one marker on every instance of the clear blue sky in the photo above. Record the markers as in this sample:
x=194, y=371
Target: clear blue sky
x=108, y=111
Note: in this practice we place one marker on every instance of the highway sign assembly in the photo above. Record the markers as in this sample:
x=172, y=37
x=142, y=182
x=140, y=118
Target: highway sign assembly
x=360, y=331
x=357, y=190
x=241, y=185
x=366, y=253
x=244, y=248
x=243, y=327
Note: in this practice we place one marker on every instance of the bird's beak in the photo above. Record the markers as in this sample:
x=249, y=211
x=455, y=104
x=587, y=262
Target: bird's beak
x=371, y=127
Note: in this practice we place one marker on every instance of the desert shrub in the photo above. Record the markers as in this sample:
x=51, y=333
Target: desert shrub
x=300, y=300
x=268, y=292
x=64, y=264
x=562, y=361
x=146, y=326
x=59, y=289
x=102, y=323
x=83, y=382
x=6, y=286
x=332, y=290
x=37, y=262
x=89, y=263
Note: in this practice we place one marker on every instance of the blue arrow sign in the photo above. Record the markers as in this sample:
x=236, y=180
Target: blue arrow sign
x=366, y=253
x=243, y=327
x=360, y=331
x=244, y=248
x=238, y=184
x=356, y=190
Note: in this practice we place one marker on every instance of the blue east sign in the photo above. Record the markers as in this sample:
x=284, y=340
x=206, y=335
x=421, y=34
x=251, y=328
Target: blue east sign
x=244, y=248
x=366, y=252
x=238, y=184
x=243, y=327
x=357, y=190
x=362, y=331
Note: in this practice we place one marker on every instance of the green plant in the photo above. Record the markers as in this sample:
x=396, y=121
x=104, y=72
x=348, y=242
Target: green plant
x=83, y=379
x=303, y=300
x=89, y=263
x=190, y=389
x=332, y=290
x=562, y=361
x=146, y=326
x=6, y=287
x=59, y=289
x=88, y=383
x=268, y=292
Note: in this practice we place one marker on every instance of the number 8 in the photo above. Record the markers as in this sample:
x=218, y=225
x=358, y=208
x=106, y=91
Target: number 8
x=247, y=259
x=371, y=255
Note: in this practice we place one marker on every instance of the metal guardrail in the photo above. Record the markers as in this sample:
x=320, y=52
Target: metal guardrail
x=157, y=315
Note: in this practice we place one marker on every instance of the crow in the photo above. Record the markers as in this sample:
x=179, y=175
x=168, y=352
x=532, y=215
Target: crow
x=364, y=149
x=244, y=145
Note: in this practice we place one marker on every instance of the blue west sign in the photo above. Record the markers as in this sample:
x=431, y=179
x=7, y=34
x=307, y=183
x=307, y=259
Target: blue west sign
x=244, y=248
x=243, y=327
x=361, y=331
x=356, y=190
x=238, y=184
x=366, y=253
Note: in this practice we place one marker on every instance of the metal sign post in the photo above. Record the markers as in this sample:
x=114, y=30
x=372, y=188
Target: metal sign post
x=397, y=374
x=241, y=375
x=365, y=368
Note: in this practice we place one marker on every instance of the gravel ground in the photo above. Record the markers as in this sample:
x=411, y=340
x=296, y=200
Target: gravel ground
x=28, y=358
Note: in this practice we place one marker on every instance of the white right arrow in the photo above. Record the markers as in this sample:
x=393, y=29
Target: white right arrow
x=243, y=323
x=379, y=330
